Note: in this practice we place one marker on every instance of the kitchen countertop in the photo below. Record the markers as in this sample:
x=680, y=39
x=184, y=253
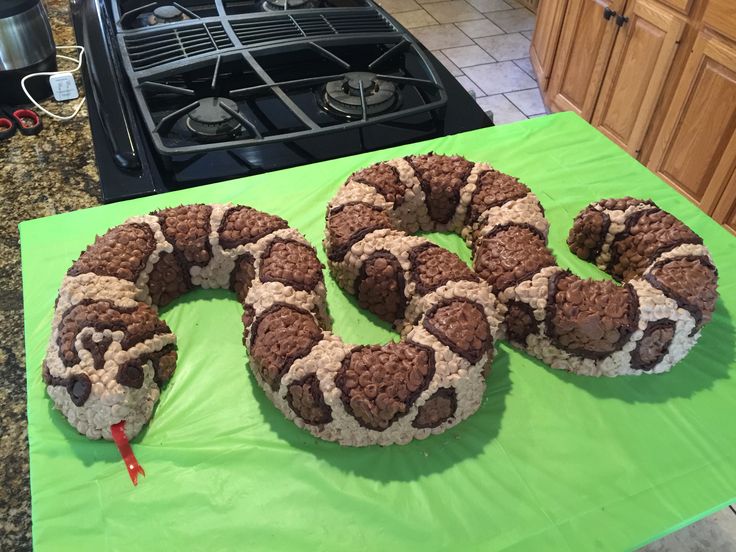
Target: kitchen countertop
x=51, y=173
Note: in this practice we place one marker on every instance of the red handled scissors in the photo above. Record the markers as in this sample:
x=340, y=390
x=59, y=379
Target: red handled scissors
x=25, y=120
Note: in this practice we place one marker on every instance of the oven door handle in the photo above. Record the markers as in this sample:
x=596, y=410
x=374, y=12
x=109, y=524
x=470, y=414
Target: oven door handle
x=92, y=33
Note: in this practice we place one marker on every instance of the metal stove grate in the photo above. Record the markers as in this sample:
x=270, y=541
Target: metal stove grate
x=174, y=43
x=287, y=27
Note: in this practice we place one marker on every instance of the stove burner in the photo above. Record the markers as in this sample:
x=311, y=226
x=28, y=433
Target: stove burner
x=281, y=5
x=343, y=96
x=164, y=14
x=210, y=121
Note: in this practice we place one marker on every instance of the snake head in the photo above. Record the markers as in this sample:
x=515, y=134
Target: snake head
x=107, y=364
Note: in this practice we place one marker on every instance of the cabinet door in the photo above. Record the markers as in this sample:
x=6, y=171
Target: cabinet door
x=641, y=58
x=582, y=55
x=696, y=148
x=725, y=209
x=545, y=38
x=721, y=16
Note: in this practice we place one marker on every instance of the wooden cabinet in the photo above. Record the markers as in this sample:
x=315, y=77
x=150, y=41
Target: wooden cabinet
x=545, y=38
x=720, y=15
x=725, y=210
x=658, y=77
x=696, y=148
x=641, y=59
x=582, y=55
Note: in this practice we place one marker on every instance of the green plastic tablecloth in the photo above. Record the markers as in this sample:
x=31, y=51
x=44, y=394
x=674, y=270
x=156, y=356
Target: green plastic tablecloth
x=551, y=461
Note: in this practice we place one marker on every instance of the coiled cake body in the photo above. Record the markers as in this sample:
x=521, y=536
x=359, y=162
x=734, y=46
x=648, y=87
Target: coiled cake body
x=584, y=326
x=110, y=354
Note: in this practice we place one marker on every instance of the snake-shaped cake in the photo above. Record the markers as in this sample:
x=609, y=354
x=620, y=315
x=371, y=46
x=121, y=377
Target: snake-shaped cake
x=110, y=353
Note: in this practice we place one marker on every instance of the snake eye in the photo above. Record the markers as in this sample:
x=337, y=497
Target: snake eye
x=130, y=374
x=79, y=387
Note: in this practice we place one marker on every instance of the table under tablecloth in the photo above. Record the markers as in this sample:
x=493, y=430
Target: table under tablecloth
x=551, y=461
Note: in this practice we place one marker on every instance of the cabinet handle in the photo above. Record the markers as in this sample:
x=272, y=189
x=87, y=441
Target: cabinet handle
x=608, y=13
x=621, y=20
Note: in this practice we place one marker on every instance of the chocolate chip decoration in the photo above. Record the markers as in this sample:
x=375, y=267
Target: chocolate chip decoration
x=654, y=344
x=433, y=266
x=281, y=335
x=350, y=223
x=168, y=280
x=243, y=225
x=121, y=253
x=110, y=353
x=187, y=227
x=385, y=179
x=590, y=318
x=291, y=263
x=462, y=326
x=380, y=286
x=493, y=190
x=692, y=282
x=438, y=409
x=307, y=401
x=379, y=384
x=442, y=177
x=511, y=254
x=649, y=234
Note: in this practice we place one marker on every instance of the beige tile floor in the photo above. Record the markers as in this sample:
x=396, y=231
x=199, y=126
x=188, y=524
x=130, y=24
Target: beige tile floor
x=485, y=45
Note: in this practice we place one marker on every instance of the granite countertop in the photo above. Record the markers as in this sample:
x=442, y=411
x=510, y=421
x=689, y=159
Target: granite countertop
x=43, y=175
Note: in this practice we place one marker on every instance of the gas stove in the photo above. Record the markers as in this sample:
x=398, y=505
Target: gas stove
x=197, y=91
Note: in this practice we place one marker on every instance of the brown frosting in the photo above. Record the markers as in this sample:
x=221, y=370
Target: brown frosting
x=281, y=335
x=622, y=203
x=350, y=223
x=168, y=280
x=307, y=401
x=588, y=233
x=441, y=177
x=138, y=324
x=492, y=190
x=692, y=282
x=520, y=322
x=380, y=286
x=461, y=325
x=97, y=350
x=654, y=344
x=241, y=225
x=385, y=179
x=242, y=276
x=249, y=314
x=291, y=263
x=131, y=374
x=380, y=383
x=79, y=386
x=164, y=364
x=187, y=228
x=647, y=235
x=121, y=252
x=510, y=254
x=438, y=408
x=590, y=318
x=433, y=266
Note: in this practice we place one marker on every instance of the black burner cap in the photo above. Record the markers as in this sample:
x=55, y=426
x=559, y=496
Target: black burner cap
x=210, y=120
x=277, y=5
x=167, y=13
x=343, y=96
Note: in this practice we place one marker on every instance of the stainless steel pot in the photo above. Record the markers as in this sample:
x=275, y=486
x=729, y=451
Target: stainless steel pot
x=26, y=46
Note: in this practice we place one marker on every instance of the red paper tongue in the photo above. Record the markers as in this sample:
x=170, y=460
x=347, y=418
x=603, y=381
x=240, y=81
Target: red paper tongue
x=118, y=435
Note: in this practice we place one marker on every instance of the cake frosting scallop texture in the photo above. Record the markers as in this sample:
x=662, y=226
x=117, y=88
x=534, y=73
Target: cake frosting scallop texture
x=109, y=353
